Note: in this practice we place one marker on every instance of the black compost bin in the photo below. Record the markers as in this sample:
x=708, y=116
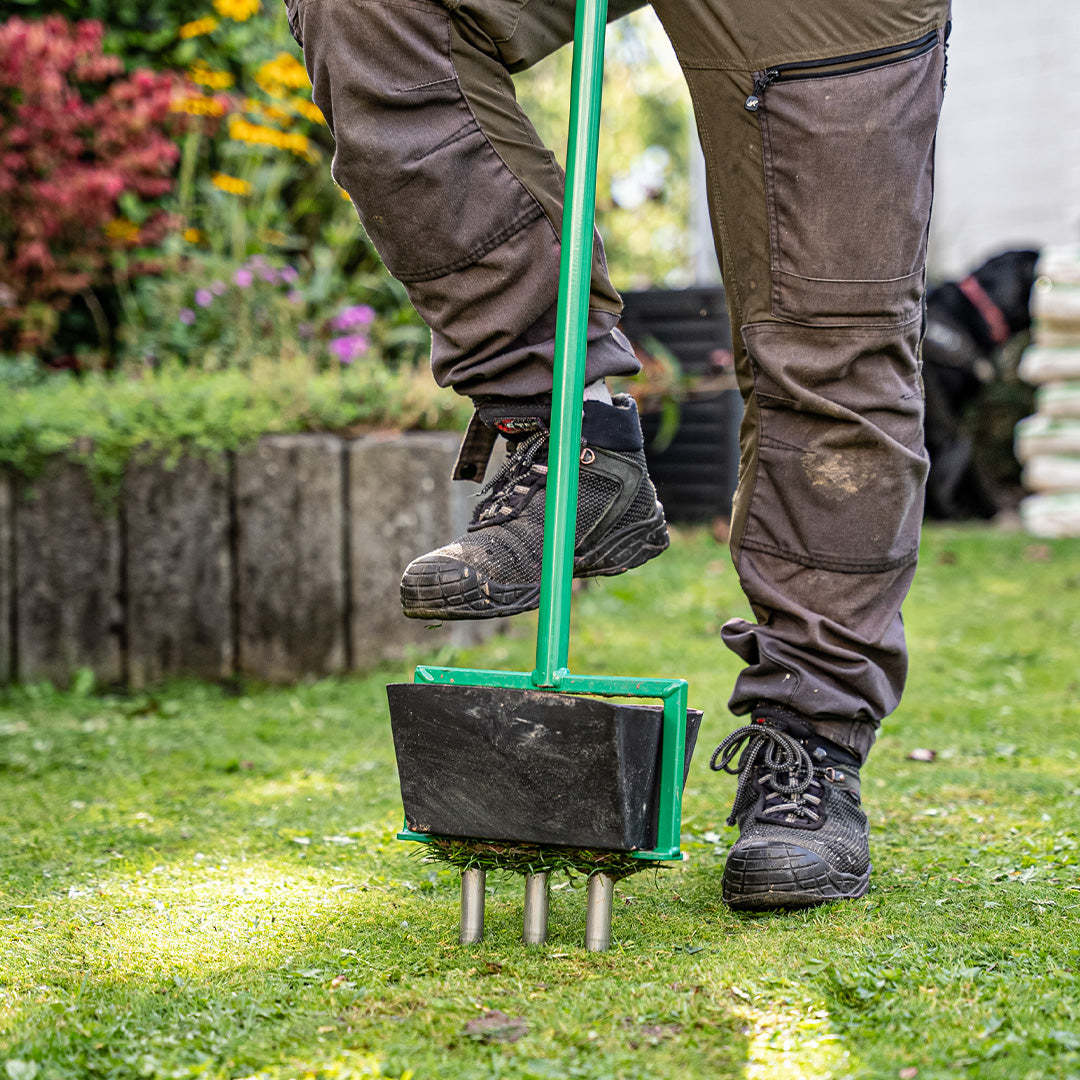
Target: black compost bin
x=696, y=470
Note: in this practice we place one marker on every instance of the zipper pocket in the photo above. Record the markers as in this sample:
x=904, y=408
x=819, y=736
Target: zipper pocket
x=837, y=65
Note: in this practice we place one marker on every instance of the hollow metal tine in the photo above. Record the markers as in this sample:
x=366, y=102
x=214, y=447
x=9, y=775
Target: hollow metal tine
x=598, y=912
x=536, y=909
x=472, y=906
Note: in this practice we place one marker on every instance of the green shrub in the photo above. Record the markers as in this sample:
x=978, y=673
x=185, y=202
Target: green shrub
x=106, y=421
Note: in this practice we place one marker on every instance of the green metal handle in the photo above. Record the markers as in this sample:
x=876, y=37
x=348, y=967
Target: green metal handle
x=575, y=277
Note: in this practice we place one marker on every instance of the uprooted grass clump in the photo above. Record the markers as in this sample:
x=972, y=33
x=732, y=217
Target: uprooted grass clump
x=504, y=855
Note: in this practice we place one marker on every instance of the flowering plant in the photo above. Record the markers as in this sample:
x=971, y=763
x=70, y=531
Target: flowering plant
x=214, y=314
x=85, y=158
x=253, y=175
x=247, y=179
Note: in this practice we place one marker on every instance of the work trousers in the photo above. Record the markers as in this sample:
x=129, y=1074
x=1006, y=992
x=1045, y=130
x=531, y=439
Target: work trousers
x=818, y=120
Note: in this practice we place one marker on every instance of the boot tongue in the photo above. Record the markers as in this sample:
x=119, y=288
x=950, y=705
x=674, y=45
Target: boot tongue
x=518, y=427
x=515, y=420
x=818, y=746
x=776, y=716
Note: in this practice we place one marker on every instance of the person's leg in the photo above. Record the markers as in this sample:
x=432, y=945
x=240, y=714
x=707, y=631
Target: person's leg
x=818, y=120
x=464, y=204
x=455, y=188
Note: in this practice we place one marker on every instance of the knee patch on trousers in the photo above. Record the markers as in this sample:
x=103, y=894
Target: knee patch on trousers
x=839, y=461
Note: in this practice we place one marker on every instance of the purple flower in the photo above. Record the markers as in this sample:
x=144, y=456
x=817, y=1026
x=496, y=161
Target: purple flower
x=352, y=317
x=295, y=296
x=243, y=278
x=289, y=274
x=218, y=287
x=204, y=297
x=268, y=273
x=348, y=349
x=187, y=316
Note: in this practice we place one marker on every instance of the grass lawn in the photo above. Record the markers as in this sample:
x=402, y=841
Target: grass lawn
x=198, y=883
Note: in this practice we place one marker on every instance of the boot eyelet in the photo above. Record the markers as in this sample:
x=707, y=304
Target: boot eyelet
x=587, y=456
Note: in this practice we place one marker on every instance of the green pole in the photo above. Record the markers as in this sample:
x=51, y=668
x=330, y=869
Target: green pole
x=560, y=506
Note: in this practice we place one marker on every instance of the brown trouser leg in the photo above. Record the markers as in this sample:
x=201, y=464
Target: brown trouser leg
x=821, y=202
x=453, y=184
x=820, y=192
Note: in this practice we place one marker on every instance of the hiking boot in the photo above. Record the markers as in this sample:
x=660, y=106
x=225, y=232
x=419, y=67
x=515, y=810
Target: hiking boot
x=803, y=837
x=494, y=569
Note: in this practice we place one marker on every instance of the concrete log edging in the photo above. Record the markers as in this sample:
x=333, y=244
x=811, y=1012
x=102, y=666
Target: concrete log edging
x=278, y=563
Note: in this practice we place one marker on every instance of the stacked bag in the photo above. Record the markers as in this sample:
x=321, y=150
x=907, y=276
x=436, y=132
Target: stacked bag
x=1048, y=443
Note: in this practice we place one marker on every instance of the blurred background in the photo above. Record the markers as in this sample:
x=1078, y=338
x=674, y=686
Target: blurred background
x=219, y=156
x=181, y=278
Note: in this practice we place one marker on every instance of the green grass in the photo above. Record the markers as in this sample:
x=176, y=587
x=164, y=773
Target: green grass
x=199, y=883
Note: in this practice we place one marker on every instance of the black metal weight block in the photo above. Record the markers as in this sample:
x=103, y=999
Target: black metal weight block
x=527, y=765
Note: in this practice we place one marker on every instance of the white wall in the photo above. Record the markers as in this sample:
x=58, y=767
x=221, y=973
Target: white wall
x=1008, y=153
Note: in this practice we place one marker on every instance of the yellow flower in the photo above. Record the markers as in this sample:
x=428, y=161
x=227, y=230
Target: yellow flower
x=284, y=72
x=272, y=112
x=205, y=76
x=199, y=27
x=122, y=231
x=260, y=135
x=193, y=236
x=198, y=106
x=238, y=10
x=231, y=185
x=309, y=110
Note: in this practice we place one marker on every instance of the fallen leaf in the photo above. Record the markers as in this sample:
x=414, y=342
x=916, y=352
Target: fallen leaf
x=1038, y=553
x=652, y=1031
x=920, y=753
x=496, y=1027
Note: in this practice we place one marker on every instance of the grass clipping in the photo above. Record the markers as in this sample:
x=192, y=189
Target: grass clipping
x=518, y=858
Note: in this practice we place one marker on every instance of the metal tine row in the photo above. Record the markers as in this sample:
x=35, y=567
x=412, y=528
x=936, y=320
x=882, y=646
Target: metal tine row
x=535, y=919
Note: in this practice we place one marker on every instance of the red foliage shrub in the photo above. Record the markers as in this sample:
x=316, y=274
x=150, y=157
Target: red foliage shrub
x=75, y=136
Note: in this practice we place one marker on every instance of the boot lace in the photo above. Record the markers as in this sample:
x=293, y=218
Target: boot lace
x=505, y=495
x=776, y=761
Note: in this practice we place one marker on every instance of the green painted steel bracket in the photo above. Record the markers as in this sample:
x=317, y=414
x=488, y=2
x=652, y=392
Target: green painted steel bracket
x=560, y=506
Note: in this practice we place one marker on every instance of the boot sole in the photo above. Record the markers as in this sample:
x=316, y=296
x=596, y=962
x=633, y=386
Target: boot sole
x=439, y=587
x=771, y=876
